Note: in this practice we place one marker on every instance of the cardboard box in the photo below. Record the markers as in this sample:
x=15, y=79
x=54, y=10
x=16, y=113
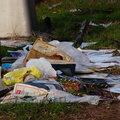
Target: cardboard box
x=48, y=51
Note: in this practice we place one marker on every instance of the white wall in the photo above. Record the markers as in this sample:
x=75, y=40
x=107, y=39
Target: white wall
x=17, y=18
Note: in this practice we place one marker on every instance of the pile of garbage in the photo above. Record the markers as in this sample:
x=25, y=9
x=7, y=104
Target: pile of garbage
x=57, y=72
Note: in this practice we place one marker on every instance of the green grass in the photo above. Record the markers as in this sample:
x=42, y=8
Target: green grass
x=63, y=21
x=4, y=50
x=37, y=111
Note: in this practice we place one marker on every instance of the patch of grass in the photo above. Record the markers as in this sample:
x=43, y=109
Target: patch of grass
x=63, y=20
x=112, y=32
x=37, y=111
x=4, y=50
x=101, y=42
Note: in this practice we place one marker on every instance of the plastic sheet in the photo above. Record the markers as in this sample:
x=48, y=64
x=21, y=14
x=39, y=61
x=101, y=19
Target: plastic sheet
x=54, y=96
x=78, y=56
x=61, y=96
x=101, y=56
x=115, y=88
x=14, y=43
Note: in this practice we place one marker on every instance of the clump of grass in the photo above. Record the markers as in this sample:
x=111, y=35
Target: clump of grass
x=37, y=111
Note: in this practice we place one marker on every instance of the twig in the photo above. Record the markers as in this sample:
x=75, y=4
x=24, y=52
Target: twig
x=82, y=31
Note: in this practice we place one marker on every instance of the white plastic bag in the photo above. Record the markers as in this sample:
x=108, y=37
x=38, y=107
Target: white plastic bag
x=45, y=67
x=18, y=63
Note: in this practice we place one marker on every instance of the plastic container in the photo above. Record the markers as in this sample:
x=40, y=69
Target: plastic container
x=6, y=65
x=67, y=69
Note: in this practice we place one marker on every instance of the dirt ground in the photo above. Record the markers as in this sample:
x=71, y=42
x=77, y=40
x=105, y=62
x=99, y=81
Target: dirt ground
x=104, y=111
x=107, y=109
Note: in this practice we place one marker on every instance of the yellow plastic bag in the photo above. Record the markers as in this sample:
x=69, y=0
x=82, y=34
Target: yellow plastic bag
x=18, y=76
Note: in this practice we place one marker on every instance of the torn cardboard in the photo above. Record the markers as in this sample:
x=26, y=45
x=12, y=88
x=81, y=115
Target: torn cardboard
x=46, y=50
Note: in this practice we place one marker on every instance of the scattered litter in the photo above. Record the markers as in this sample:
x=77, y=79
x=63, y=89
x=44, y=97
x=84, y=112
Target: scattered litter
x=118, y=97
x=46, y=50
x=9, y=59
x=2, y=85
x=62, y=96
x=67, y=68
x=104, y=25
x=93, y=75
x=81, y=59
x=18, y=63
x=44, y=66
x=75, y=54
x=115, y=88
x=21, y=90
x=53, y=95
x=100, y=83
x=102, y=56
x=54, y=42
x=75, y=10
x=6, y=90
x=113, y=79
x=6, y=65
x=29, y=78
x=14, y=43
x=17, y=53
x=86, y=44
x=18, y=76
x=34, y=77
x=47, y=84
x=54, y=5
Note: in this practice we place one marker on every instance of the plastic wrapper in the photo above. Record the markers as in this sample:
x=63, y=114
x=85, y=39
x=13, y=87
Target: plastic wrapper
x=18, y=76
x=22, y=90
x=62, y=96
x=47, y=84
